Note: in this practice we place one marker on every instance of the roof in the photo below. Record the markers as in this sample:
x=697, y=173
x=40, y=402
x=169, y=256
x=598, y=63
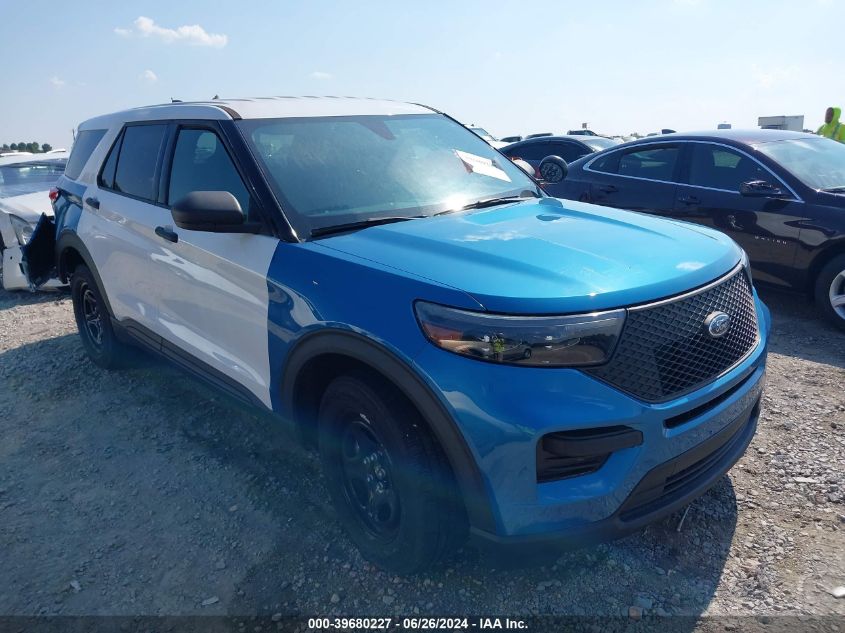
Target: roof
x=747, y=137
x=258, y=108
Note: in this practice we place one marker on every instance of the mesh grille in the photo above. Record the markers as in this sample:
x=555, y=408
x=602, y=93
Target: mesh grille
x=666, y=350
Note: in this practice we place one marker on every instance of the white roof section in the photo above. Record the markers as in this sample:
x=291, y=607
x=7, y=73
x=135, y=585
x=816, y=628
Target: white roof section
x=258, y=108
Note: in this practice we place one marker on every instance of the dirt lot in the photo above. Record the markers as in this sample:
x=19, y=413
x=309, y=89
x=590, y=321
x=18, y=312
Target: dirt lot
x=142, y=492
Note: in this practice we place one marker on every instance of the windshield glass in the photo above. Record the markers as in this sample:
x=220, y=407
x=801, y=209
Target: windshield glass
x=329, y=171
x=598, y=143
x=22, y=178
x=817, y=162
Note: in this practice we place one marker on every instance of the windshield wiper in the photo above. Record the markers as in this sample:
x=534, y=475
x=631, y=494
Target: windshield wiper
x=491, y=202
x=839, y=189
x=361, y=224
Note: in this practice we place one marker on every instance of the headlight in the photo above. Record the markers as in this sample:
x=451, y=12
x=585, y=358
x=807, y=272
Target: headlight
x=553, y=341
x=23, y=229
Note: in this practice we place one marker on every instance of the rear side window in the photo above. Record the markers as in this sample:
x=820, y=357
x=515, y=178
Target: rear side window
x=201, y=163
x=529, y=151
x=83, y=147
x=654, y=164
x=608, y=164
x=568, y=151
x=136, y=165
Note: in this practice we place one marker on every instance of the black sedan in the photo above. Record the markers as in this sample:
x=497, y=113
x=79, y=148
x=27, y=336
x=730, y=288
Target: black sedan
x=534, y=149
x=780, y=195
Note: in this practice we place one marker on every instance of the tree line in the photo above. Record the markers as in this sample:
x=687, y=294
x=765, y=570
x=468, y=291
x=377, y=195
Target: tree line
x=33, y=147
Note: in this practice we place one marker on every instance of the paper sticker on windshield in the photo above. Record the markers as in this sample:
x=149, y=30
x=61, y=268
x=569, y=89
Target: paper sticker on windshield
x=480, y=165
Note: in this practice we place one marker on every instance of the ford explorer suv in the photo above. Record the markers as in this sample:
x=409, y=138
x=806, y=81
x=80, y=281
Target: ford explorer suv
x=468, y=355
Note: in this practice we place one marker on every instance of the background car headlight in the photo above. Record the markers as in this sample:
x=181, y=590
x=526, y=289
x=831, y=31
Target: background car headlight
x=541, y=341
x=23, y=229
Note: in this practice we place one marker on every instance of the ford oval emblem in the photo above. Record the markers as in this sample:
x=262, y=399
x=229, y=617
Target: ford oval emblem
x=717, y=324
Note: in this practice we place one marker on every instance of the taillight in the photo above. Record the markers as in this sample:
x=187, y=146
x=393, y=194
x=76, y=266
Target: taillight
x=54, y=194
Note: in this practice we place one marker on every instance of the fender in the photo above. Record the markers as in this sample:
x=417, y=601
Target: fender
x=358, y=347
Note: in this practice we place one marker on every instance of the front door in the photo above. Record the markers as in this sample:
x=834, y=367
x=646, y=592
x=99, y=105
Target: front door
x=214, y=295
x=767, y=228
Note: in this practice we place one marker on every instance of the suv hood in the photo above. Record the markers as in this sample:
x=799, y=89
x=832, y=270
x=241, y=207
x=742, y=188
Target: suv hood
x=549, y=256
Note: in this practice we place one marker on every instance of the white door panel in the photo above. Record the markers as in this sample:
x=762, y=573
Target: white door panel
x=214, y=302
x=121, y=240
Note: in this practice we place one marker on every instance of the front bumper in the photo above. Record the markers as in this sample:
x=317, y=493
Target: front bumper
x=504, y=411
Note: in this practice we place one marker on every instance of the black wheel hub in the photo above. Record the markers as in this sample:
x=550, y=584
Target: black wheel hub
x=91, y=317
x=368, y=479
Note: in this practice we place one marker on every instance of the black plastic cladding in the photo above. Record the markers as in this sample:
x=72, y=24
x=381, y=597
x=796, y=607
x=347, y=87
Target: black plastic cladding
x=665, y=351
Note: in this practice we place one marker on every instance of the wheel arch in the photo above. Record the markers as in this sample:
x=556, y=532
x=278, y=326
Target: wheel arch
x=319, y=357
x=835, y=249
x=71, y=252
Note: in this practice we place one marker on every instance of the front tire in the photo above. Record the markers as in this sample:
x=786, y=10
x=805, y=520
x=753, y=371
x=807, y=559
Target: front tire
x=830, y=291
x=94, y=322
x=388, y=478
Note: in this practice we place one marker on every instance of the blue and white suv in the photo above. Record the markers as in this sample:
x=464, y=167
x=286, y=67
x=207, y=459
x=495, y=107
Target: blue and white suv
x=468, y=354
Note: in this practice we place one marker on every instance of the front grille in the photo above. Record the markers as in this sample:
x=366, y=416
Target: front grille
x=665, y=349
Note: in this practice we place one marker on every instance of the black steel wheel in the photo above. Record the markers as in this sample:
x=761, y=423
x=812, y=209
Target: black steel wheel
x=391, y=486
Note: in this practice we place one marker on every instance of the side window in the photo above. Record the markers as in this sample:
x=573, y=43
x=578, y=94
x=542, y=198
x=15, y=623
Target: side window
x=201, y=163
x=718, y=167
x=530, y=151
x=654, y=164
x=106, y=178
x=137, y=161
x=83, y=147
x=607, y=164
x=568, y=151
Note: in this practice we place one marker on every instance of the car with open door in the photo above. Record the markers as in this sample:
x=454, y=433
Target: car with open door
x=779, y=194
x=25, y=183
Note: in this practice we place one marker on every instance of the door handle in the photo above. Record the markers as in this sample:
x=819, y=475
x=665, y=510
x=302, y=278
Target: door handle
x=689, y=200
x=165, y=232
x=92, y=202
x=609, y=188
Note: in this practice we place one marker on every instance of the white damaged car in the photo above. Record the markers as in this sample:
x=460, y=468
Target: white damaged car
x=25, y=183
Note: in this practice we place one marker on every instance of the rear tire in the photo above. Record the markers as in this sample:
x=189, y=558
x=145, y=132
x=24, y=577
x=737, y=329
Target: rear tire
x=830, y=291
x=94, y=322
x=391, y=486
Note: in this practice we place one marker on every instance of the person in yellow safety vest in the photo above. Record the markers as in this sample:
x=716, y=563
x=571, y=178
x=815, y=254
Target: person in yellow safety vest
x=832, y=128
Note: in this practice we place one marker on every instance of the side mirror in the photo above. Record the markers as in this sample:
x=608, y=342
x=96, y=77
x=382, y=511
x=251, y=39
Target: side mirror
x=761, y=189
x=211, y=211
x=524, y=166
x=553, y=169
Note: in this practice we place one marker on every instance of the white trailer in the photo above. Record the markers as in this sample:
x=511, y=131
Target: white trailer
x=793, y=123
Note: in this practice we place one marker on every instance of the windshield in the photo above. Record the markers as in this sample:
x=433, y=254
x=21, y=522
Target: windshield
x=598, y=143
x=817, y=162
x=22, y=178
x=329, y=171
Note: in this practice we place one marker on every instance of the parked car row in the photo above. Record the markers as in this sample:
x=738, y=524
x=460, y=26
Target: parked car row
x=780, y=195
x=469, y=355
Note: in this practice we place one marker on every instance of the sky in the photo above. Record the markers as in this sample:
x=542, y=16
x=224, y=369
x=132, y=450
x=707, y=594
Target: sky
x=509, y=66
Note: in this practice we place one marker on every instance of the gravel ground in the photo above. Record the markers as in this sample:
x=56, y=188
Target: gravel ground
x=142, y=492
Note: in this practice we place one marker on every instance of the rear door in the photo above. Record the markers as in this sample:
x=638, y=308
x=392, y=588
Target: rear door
x=214, y=296
x=121, y=211
x=639, y=178
x=767, y=228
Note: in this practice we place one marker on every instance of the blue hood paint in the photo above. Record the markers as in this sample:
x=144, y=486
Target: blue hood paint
x=549, y=256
